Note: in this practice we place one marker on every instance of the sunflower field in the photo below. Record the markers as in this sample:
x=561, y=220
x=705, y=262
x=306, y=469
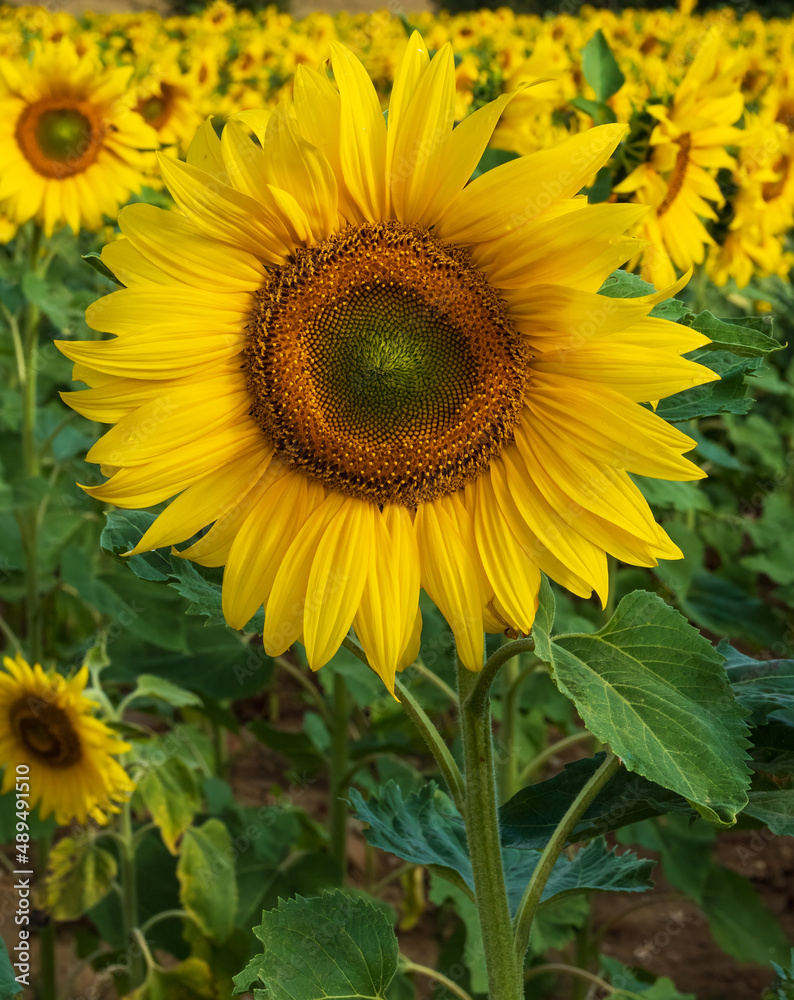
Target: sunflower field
x=397, y=505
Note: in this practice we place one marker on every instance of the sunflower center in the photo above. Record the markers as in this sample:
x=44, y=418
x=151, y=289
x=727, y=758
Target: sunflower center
x=384, y=365
x=156, y=110
x=58, y=137
x=46, y=731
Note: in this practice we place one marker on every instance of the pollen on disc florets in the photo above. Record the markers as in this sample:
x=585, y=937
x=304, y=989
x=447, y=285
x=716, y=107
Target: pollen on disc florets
x=383, y=364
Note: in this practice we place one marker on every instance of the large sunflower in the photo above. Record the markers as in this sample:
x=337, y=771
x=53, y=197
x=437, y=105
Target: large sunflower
x=370, y=375
x=72, y=149
x=46, y=725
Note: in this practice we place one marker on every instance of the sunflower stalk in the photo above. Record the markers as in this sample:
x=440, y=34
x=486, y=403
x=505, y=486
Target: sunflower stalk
x=530, y=902
x=129, y=900
x=503, y=966
x=340, y=766
x=47, y=987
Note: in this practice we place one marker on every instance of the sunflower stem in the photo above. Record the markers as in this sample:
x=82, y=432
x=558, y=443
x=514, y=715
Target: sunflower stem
x=47, y=989
x=479, y=693
x=30, y=452
x=339, y=770
x=507, y=759
x=531, y=900
x=129, y=900
x=482, y=833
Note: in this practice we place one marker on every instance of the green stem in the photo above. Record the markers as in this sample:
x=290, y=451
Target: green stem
x=30, y=455
x=129, y=898
x=339, y=769
x=46, y=936
x=444, y=759
x=479, y=694
x=434, y=679
x=482, y=833
x=550, y=751
x=507, y=764
x=408, y=966
x=551, y=852
x=572, y=970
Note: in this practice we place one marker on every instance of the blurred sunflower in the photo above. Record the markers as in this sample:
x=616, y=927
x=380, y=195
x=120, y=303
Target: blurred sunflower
x=71, y=147
x=687, y=147
x=167, y=100
x=368, y=374
x=46, y=723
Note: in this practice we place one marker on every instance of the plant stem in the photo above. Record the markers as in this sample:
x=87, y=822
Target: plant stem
x=480, y=691
x=482, y=832
x=438, y=748
x=507, y=760
x=434, y=679
x=30, y=455
x=546, y=754
x=339, y=769
x=129, y=898
x=408, y=966
x=47, y=936
x=444, y=759
x=570, y=970
x=551, y=852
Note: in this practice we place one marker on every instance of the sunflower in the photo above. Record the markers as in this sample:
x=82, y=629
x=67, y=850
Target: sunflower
x=71, y=147
x=370, y=375
x=687, y=147
x=167, y=100
x=46, y=724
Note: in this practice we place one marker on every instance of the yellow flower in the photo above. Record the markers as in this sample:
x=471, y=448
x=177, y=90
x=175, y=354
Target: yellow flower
x=368, y=374
x=46, y=726
x=71, y=148
x=687, y=148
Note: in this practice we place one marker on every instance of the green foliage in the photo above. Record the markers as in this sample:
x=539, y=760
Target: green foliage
x=334, y=945
x=600, y=68
x=9, y=987
x=190, y=980
x=167, y=787
x=206, y=873
x=80, y=874
x=654, y=689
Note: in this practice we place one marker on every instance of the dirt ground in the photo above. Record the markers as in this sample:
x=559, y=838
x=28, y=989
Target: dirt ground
x=298, y=8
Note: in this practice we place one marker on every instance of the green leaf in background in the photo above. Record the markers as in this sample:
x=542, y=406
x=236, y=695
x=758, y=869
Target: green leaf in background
x=334, y=945
x=80, y=874
x=763, y=686
x=739, y=922
x=628, y=985
x=600, y=67
x=654, y=689
x=775, y=809
x=530, y=817
x=207, y=882
x=751, y=339
x=168, y=789
x=9, y=987
x=52, y=299
x=152, y=686
x=473, y=953
x=190, y=980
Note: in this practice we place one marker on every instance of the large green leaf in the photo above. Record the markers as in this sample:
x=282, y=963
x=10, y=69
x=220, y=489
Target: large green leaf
x=80, y=874
x=739, y=922
x=168, y=789
x=750, y=338
x=332, y=946
x=530, y=817
x=600, y=67
x=731, y=394
x=207, y=883
x=426, y=829
x=654, y=689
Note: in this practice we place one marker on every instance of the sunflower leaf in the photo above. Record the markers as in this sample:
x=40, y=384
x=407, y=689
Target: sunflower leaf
x=600, y=67
x=207, y=883
x=655, y=690
x=334, y=945
x=729, y=395
x=79, y=875
x=190, y=980
x=168, y=789
x=9, y=987
x=748, y=340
